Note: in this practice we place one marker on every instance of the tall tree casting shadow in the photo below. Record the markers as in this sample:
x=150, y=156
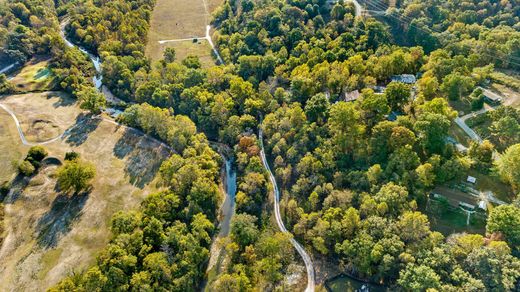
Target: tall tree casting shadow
x=143, y=156
x=79, y=132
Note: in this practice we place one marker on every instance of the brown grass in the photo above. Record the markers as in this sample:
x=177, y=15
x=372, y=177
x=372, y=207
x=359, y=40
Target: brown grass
x=180, y=19
x=512, y=97
x=50, y=234
x=11, y=148
x=45, y=115
x=202, y=49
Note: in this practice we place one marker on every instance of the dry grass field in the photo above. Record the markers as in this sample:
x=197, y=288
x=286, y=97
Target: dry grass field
x=45, y=115
x=180, y=19
x=11, y=148
x=48, y=234
x=202, y=49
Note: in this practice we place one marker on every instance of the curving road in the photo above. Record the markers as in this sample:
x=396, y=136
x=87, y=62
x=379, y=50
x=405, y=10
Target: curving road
x=306, y=258
x=20, y=131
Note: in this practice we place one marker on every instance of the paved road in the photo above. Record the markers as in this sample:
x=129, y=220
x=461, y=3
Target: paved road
x=461, y=122
x=7, y=68
x=357, y=6
x=472, y=134
x=306, y=258
x=210, y=41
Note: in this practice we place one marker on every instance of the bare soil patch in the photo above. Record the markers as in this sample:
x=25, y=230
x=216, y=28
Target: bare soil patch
x=50, y=235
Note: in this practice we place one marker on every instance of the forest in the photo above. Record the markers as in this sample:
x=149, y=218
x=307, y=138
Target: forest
x=355, y=174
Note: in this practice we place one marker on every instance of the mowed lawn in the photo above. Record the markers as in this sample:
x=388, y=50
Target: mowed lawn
x=48, y=234
x=180, y=19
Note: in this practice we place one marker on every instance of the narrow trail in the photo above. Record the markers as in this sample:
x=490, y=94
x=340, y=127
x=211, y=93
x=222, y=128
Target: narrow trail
x=306, y=258
x=62, y=135
x=20, y=130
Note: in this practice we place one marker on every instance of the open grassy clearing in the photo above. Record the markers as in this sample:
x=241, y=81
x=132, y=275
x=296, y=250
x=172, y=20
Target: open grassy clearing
x=175, y=19
x=11, y=148
x=180, y=19
x=45, y=114
x=490, y=182
x=512, y=97
x=48, y=234
x=34, y=76
x=202, y=49
x=449, y=220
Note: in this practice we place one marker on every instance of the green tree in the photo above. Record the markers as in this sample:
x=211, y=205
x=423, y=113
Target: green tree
x=5, y=86
x=244, y=230
x=456, y=85
x=397, y=94
x=414, y=226
x=505, y=219
x=418, y=278
x=508, y=166
x=344, y=123
x=26, y=168
x=75, y=176
x=482, y=153
x=432, y=128
x=169, y=55
x=91, y=99
x=317, y=108
x=428, y=87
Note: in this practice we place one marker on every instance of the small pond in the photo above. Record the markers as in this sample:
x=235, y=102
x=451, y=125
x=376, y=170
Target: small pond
x=344, y=283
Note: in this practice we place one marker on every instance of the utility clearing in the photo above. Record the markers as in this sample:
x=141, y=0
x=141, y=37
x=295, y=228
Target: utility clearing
x=48, y=234
x=181, y=24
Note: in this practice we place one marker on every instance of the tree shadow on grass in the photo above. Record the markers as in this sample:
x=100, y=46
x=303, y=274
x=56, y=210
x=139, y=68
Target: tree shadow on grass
x=79, y=132
x=142, y=155
x=63, y=101
x=58, y=220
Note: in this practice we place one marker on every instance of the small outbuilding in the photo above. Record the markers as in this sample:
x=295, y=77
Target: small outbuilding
x=352, y=96
x=405, y=78
x=471, y=179
x=491, y=97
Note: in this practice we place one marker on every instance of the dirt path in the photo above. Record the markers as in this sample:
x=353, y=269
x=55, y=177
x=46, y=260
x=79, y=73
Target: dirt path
x=20, y=131
x=25, y=142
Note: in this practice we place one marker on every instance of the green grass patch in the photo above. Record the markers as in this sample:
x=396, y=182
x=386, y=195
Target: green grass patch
x=35, y=76
x=49, y=260
x=490, y=182
x=458, y=134
x=347, y=284
x=447, y=219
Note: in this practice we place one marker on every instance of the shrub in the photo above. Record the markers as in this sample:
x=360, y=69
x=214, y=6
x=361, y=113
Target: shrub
x=26, y=168
x=71, y=156
x=37, y=153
